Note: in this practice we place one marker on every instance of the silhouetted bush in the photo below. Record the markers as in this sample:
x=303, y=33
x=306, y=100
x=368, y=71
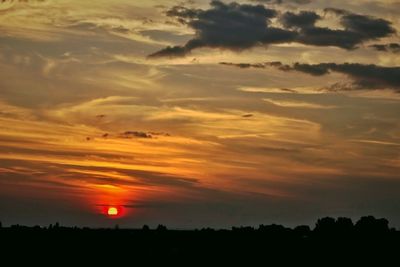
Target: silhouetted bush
x=161, y=228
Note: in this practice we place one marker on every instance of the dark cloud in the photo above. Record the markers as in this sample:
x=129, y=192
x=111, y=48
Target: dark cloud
x=228, y=26
x=392, y=47
x=264, y=65
x=316, y=70
x=304, y=19
x=288, y=90
x=159, y=134
x=300, y=2
x=363, y=76
x=242, y=26
x=247, y=115
x=327, y=37
x=139, y=134
x=136, y=134
x=366, y=26
x=131, y=135
x=121, y=29
x=357, y=29
x=245, y=65
x=171, y=51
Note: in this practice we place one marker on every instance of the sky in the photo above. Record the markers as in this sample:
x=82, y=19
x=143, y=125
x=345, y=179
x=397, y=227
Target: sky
x=199, y=113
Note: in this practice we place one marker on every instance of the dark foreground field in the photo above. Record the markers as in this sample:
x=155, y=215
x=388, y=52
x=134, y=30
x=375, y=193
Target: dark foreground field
x=331, y=241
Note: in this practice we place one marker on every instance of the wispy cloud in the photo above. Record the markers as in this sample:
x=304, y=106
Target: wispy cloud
x=297, y=104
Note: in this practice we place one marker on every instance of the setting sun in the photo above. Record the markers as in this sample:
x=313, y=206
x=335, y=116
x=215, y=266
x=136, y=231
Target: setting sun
x=112, y=211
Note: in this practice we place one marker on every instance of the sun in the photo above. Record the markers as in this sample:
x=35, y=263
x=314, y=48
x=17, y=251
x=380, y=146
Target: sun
x=112, y=211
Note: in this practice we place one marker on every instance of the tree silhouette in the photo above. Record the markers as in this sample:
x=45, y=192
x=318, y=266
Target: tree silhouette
x=370, y=224
x=344, y=225
x=331, y=239
x=325, y=225
x=302, y=230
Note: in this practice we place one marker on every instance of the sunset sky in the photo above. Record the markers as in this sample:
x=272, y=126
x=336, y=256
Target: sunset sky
x=199, y=113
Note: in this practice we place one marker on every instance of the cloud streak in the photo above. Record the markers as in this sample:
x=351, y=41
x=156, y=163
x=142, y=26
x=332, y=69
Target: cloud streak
x=364, y=76
x=392, y=47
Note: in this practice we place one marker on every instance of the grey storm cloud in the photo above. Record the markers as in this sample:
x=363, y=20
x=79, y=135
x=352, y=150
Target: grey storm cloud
x=304, y=19
x=364, y=76
x=300, y=2
x=238, y=27
x=228, y=26
x=356, y=28
x=392, y=47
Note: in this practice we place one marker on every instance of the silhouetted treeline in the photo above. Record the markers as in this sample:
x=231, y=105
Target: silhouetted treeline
x=369, y=240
